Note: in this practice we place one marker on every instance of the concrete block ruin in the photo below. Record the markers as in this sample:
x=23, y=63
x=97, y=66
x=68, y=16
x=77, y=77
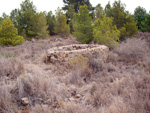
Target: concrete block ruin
x=64, y=53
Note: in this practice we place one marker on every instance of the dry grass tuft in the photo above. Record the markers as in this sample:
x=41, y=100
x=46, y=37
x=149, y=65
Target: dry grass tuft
x=6, y=104
x=71, y=107
x=38, y=88
x=117, y=106
x=96, y=64
x=41, y=109
x=10, y=67
x=133, y=49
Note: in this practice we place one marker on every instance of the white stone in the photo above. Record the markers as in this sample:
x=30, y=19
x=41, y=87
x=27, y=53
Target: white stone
x=25, y=100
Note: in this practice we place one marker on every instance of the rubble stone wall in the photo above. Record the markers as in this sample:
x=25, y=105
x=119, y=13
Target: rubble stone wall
x=64, y=53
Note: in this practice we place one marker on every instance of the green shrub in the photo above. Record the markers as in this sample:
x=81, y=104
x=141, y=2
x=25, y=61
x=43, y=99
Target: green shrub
x=145, y=27
x=123, y=20
x=69, y=15
x=9, y=34
x=61, y=27
x=140, y=15
x=11, y=42
x=82, y=25
x=38, y=27
x=24, y=33
x=50, y=22
x=105, y=33
x=131, y=28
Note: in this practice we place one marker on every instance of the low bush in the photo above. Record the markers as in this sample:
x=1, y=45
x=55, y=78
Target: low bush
x=82, y=25
x=10, y=67
x=38, y=87
x=6, y=54
x=143, y=36
x=96, y=64
x=81, y=70
x=135, y=49
x=61, y=27
x=118, y=106
x=78, y=61
x=6, y=104
x=9, y=34
x=105, y=33
x=11, y=42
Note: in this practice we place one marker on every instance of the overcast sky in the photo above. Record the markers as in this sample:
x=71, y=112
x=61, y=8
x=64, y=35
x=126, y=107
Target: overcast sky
x=51, y=5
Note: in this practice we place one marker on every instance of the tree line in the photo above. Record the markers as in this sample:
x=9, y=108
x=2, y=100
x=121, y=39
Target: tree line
x=108, y=25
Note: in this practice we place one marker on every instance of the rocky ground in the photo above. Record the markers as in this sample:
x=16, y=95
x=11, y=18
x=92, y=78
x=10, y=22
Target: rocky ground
x=83, y=85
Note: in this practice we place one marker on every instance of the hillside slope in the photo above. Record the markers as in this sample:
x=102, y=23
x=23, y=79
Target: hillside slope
x=119, y=85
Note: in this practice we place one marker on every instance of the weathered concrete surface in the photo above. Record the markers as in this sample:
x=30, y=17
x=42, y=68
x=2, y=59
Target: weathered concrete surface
x=64, y=53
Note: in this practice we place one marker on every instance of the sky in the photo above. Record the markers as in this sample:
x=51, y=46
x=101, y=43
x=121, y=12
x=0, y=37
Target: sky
x=51, y=5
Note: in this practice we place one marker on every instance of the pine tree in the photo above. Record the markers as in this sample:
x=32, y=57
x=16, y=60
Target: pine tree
x=139, y=15
x=99, y=13
x=9, y=34
x=14, y=16
x=118, y=13
x=107, y=9
x=4, y=15
x=77, y=4
x=104, y=32
x=61, y=27
x=122, y=19
x=82, y=25
x=50, y=22
x=145, y=27
x=24, y=16
x=1, y=19
x=130, y=26
x=38, y=26
x=70, y=14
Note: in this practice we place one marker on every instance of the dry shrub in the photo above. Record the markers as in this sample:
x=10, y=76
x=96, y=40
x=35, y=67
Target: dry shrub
x=41, y=109
x=10, y=67
x=144, y=35
x=133, y=49
x=71, y=107
x=78, y=62
x=24, y=86
x=68, y=107
x=96, y=64
x=133, y=92
x=44, y=58
x=99, y=98
x=117, y=106
x=80, y=70
x=6, y=104
x=112, y=57
x=75, y=77
x=141, y=99
x=6, y=54
x=98, y=95
x=38, y=88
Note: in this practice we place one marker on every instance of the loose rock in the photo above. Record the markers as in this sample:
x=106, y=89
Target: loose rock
x=25, y=101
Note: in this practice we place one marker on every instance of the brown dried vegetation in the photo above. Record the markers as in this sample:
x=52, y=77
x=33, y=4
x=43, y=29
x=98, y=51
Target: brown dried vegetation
x=82, y=85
